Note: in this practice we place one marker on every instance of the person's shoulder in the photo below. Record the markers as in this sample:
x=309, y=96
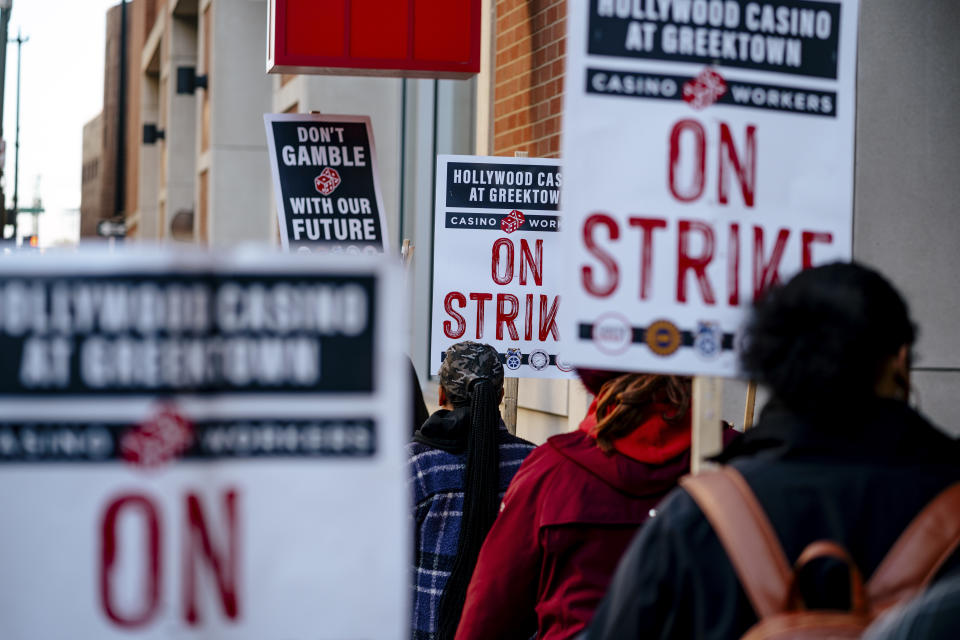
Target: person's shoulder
x=542, y=468
x=416, y=450
x=570, y=438
x=432, y=471
x=514, y=446
x=533, y=478
x=543, y=457
x=560, y=450
x=679, y=516
x=422, y=458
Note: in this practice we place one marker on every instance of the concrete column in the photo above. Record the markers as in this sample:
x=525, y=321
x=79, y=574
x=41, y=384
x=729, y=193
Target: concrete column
x=181, y=159
x=237, y=184
x=148, y=177
x=906, y=186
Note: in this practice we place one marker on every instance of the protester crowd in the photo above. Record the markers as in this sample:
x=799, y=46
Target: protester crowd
x=837, y=515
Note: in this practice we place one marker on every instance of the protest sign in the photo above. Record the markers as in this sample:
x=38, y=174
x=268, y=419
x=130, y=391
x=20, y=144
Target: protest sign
x=496, y=261
x=326, y=183
x=708, y=154
x=201, y=447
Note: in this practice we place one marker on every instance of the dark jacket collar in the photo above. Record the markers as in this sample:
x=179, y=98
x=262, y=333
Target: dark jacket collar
x=445, y=430
x=879, y=431
x=448, y=430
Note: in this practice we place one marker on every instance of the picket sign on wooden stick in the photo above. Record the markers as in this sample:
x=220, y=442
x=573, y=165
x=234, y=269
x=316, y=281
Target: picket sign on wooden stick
x=751, y=401
x=511, y=386
x=707, y=431
x=406, y=253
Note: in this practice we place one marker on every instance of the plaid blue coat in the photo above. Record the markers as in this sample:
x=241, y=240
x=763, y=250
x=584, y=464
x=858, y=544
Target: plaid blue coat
x=436, y=479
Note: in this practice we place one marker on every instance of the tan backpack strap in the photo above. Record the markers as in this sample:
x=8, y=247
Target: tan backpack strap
x=747, y=536
x=920, y=551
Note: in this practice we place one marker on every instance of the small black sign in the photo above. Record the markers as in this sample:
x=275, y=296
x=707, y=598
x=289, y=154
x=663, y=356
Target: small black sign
x=494, y=221
x=503, y=186
x=326, y=182
x=141, y=444
x=159, y=334
x=785, y=36
x=656, y=86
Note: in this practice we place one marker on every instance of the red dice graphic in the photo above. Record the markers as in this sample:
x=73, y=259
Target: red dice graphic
x=705, y=89
x=158, y=440
x=512, y=221
x=327, y=182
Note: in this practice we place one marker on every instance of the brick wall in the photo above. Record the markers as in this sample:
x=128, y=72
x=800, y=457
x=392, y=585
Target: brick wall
x=528, y=82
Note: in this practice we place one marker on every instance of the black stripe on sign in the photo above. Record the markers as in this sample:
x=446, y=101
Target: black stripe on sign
x=639, y=336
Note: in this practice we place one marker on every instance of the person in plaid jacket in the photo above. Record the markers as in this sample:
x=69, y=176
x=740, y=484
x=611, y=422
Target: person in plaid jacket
x=461, y=461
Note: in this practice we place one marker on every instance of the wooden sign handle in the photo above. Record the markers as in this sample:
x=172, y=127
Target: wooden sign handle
x=707, y=430
x=511, y=386
x=751, y=401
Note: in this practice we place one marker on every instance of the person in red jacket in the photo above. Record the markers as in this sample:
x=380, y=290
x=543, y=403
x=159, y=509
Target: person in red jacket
x=575, y=505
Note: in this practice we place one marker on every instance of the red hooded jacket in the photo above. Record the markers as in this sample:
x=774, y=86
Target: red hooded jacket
x=567, y=517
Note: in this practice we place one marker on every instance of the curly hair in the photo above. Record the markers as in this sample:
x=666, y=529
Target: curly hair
x=821, y=340
x=627, y=401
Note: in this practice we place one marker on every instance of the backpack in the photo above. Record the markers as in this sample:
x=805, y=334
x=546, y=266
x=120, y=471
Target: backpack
x=770, y=583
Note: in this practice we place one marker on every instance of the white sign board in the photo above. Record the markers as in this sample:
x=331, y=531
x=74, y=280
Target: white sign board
x=497, y=261
x=708, y=153
x=326, y=183
x=194, y=446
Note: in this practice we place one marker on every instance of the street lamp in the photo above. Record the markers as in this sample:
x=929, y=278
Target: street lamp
x=5, y=7
x=16, y=143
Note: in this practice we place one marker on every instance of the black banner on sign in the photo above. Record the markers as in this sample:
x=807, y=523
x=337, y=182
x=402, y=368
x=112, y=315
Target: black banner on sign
x=612, y=82
x=503, y=186
x=494, y=221
x=327, y=189
x=152, y=444
x=785, y=36
x=153, y=334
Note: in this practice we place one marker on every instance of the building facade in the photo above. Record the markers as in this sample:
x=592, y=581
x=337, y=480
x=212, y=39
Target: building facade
x=203, y=173
x=91, y=180
x=118, y=164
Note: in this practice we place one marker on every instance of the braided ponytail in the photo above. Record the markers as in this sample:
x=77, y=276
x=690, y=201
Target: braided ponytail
x=480, y=501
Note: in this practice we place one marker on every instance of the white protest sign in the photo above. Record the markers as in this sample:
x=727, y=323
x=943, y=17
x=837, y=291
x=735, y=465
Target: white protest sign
x=497, y=261
x=326, y=183
x=708, y=151
x=194, y=446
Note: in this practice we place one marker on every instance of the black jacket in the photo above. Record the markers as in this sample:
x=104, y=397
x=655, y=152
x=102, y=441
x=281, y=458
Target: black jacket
x=859, y=483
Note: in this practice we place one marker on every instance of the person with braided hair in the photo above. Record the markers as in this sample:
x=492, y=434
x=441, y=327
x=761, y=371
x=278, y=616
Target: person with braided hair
x=461, y=461
x=574, y=507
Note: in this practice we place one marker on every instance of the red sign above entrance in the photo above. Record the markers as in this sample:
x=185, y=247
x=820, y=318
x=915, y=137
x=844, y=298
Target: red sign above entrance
x=410, y=38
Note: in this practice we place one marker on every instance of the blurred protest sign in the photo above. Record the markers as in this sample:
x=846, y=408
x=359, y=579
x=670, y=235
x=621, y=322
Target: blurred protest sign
x=201, y=447
x=326, y=183
x=708, y=154
x=497, y=261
